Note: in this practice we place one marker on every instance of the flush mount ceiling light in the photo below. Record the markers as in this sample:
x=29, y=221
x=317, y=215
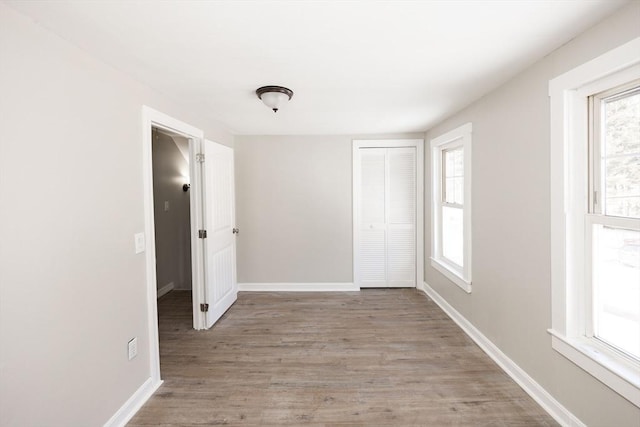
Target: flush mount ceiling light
x=273, y=96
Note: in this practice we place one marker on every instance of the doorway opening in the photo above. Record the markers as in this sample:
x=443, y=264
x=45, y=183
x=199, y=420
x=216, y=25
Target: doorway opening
x=166, y=128
x=193, y=242
x=172, y=228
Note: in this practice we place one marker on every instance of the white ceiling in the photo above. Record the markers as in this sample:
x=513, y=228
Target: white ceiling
x=356, y=67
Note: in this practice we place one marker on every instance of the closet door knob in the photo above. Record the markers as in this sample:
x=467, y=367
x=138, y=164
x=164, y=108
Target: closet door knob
x=236, y=230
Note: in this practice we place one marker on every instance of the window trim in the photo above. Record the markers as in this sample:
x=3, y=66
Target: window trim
x=570, y=200
x=459, y=137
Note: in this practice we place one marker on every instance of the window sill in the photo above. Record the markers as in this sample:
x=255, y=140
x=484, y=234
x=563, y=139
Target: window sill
x=451, y=274
x=618, y=373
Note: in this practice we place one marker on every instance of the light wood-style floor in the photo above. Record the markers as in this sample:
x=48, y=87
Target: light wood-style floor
x=369, y=358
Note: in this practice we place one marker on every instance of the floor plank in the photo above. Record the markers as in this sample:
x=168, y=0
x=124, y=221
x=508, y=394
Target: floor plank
x=370, y=358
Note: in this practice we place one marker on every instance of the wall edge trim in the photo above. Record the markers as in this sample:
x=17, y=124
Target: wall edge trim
x=554, y=408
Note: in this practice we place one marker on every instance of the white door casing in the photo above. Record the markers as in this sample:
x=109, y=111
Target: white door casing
x=221, y=287
x=153, y=118
x=388, y=213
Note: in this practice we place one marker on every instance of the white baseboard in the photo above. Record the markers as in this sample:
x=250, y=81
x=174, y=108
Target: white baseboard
x=133, y=404
x=528, y=384
x=165, y=289
x=297, y=287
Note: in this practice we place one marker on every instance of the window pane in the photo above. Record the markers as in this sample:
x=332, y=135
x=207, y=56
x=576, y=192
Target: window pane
x=621, y=155
x=622, y=180
x=454, y=162
x=449, y=161
x=616, y=287
x=622, y=131
x=458, y=162
x=458, y=184
x=449, y=190
x=624, y=206
x=454, y=176
x=452, y=242
x=454, y=190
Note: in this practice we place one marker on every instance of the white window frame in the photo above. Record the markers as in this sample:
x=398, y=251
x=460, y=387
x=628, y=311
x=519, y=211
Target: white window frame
x=597, y=190
x=571, y=333
x=459, y=137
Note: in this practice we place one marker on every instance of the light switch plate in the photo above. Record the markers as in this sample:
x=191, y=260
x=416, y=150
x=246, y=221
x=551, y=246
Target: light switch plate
x=139, y=239
x=166, y=206
x=132, y=347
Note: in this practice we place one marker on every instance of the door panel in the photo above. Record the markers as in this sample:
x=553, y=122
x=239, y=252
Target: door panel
x=401, y=229
x=223, y=273
x=221, y=288
x=373, y=265
x=401, y=256
x=402, y=185
x=372, y=205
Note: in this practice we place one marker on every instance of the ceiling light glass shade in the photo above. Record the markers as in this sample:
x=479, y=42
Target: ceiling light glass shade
x=274, y=96
x=274, y=99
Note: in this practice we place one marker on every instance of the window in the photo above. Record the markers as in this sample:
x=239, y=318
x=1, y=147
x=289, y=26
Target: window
x=613, y=229
x=451, y=205
x=595, y=218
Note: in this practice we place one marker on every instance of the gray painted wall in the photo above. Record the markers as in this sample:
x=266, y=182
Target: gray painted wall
x=72, y=289
x=511, y=299
x=173, y=232
x=293, y=207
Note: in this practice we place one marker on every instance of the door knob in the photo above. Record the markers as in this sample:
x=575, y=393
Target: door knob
x=236, y=230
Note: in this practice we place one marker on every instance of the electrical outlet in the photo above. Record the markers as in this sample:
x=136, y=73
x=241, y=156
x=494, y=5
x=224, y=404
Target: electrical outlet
x=132, y=346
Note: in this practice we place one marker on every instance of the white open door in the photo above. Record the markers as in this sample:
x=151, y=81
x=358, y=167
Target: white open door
x=221, y=287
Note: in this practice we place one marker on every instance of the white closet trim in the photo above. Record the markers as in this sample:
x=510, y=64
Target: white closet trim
x=418, y=144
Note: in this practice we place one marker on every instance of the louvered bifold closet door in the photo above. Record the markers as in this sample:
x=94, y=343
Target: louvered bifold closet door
x=373, y=236
x=387, y=248
x=401, y=218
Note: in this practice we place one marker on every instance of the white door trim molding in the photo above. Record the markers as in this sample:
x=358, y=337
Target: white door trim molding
x=554, y=408
x=391, y=143
x=152, y=118
x=298, y=287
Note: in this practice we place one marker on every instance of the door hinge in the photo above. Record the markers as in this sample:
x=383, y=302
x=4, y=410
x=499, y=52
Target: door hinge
x=202, y=234
x=200, y=157
x=204, y=308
